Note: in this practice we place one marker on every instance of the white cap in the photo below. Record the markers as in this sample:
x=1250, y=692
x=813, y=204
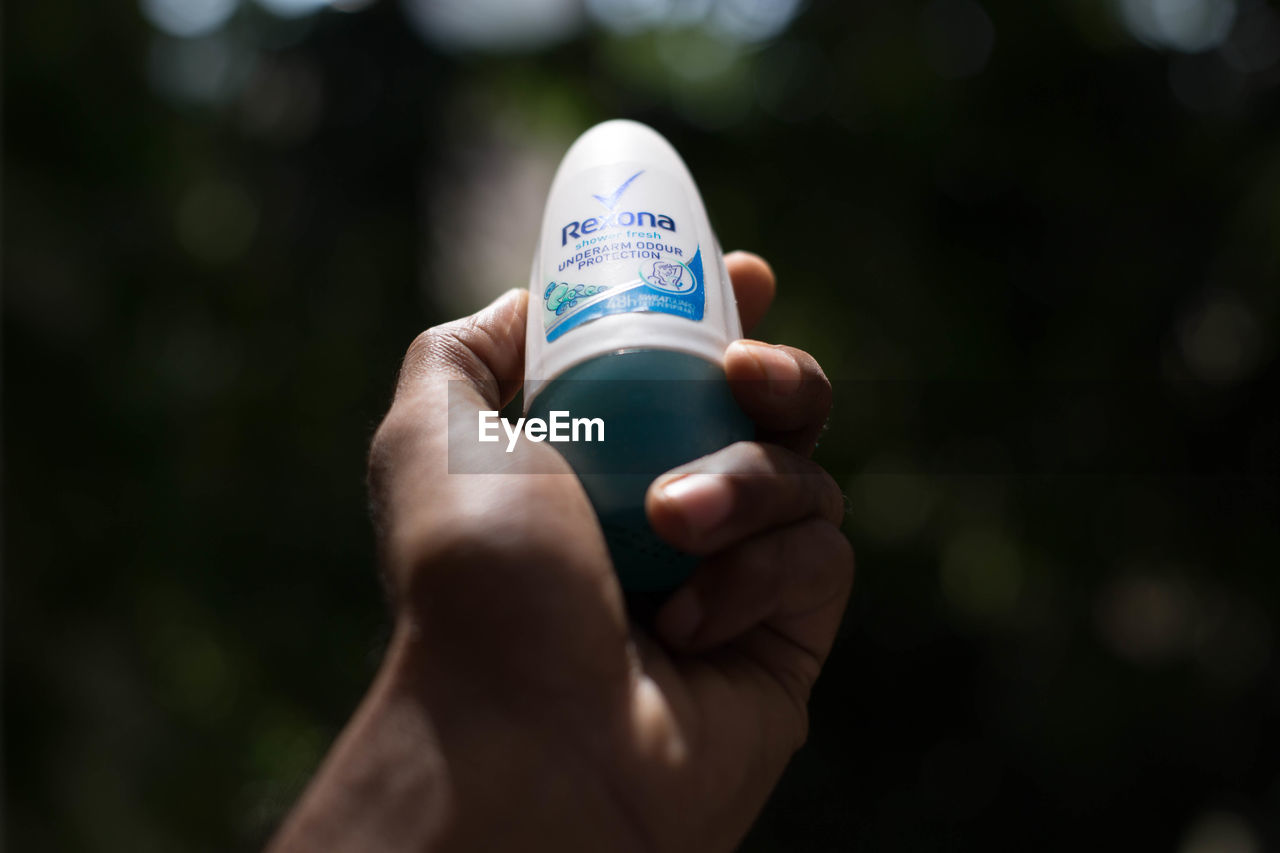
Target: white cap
x=626, y=258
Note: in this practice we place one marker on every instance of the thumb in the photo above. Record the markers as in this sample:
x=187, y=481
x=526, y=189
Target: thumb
x=485, y=350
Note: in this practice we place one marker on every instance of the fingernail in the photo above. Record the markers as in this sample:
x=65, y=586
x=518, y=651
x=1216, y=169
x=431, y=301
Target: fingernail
x=780, y=368
x=703, y=500
x=679, y=617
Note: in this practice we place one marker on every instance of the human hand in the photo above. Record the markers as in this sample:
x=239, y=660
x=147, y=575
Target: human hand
x=516, y=708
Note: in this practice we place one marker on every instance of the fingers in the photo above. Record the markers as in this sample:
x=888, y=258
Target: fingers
x=782, y=389
x=777, y=572
x=795, y=578
x=753, y=285
x=742, y=490
x=485, y=350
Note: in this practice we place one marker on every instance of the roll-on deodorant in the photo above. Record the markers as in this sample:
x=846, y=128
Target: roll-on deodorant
x=630, y=312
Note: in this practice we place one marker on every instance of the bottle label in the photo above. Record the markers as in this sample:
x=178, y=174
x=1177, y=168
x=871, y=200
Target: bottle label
x=626, y=244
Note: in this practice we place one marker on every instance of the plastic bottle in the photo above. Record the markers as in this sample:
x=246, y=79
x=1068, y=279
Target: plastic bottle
x=630, y=312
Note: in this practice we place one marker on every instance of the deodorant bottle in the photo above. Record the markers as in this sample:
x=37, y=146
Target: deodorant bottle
x=630, y=312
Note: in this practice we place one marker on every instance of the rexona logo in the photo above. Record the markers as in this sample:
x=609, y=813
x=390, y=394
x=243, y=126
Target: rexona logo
x=616, y=218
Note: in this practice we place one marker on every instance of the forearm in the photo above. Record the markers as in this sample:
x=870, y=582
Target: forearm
x=405, y=776
x=384, y=785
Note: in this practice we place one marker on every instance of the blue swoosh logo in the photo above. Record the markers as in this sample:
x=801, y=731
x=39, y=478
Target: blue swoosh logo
x=611, y=200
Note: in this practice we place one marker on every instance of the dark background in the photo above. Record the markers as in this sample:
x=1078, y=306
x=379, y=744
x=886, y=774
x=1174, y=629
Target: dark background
x=1036, y=244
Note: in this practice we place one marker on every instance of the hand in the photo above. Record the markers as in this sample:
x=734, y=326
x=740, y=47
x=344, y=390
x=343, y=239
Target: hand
x=515, y=708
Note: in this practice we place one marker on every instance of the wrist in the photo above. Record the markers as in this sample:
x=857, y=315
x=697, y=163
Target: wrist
x=516, y=780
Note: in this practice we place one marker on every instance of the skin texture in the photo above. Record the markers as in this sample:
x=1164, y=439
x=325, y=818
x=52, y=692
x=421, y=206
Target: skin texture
x=516, y=709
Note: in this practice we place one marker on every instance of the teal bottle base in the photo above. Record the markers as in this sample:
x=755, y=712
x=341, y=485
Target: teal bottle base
x=661, y=409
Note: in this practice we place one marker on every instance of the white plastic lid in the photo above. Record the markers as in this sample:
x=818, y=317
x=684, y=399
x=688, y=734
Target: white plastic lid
x=626, y=258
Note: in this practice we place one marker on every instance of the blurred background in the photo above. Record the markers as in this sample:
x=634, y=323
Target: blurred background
x=1037, y=245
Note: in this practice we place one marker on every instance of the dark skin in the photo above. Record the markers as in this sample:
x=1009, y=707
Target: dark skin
x=516, y=708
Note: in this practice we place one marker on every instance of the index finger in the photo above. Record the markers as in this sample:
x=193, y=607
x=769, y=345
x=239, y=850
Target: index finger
x=754, y=285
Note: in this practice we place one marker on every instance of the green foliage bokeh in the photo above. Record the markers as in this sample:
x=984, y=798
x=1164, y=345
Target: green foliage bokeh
x=206, y=300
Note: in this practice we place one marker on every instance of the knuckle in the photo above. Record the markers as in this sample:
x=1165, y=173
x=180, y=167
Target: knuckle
x=746, y=457
x=815, y=379
x=753, y=564
x=796, y=679
x=420, y=348
x=818, y=378
x=833, y=507
x=416, y=358
x=755, y=463
x=782, y=555
x=828, y=571
x=452, y=351
x=395, y=430
x=446, y=343
x=387, y=450
x=824, y=394
x=832, y=544
x=421, y=344
x=439, y=343
x=840, y=559
x=384, y=448
x=808, y=489
x=738, y=463
x=768, y=480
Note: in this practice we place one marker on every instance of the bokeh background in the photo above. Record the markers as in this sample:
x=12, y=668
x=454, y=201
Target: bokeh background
x=1036, y=244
